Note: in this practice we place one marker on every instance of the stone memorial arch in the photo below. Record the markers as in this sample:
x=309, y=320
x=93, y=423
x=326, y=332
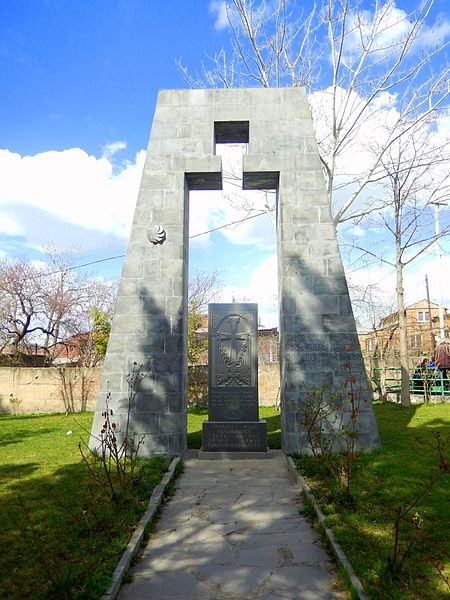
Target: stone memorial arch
x=149, y=329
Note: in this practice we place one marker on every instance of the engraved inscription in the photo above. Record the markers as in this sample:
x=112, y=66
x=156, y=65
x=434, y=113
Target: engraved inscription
x=233, y=404
x=217, y=317
x=234, y=436
x=307, y=343
x=223, y=436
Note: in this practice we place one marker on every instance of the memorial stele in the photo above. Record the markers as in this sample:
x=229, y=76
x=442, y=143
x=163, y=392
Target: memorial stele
x=233, y=424
x=149, y=329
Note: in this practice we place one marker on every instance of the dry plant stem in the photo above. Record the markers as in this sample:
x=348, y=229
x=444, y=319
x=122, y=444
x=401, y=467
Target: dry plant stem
x=75, y=517
x=331, y=436
x=120, y=459
x=36, y=541
x=437, y=565
x=354, y=396
x=318, y=411
x=398, y=556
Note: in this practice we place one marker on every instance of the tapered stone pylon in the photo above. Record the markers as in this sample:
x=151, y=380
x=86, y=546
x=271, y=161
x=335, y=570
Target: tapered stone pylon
x=149, y=330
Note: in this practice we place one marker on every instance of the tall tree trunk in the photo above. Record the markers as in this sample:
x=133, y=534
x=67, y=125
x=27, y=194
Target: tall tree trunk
x=403, y=333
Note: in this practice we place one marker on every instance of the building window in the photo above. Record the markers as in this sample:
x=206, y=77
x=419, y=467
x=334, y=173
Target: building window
x=369, y=345
x=423, y=315
x=415, y=341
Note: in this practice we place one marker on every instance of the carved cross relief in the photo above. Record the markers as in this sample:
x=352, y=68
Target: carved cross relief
x=233, y=337
x=232, y=334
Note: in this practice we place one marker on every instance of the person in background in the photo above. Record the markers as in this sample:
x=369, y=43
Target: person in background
x=442, y=360
x=418, y=376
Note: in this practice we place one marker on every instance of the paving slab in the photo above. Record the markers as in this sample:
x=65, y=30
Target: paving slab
x=233, y=531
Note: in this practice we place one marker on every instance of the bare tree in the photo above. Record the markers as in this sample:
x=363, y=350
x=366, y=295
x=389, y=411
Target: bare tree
x=66, y=296
x=416, y=177
x=370, y=306
x=48, y=303
x=203, y=289
x=20, y=303
x=364, y=68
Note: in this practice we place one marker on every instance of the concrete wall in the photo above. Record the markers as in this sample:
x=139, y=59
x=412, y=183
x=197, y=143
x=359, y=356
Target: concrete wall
x=25, y=390
x=269, y=384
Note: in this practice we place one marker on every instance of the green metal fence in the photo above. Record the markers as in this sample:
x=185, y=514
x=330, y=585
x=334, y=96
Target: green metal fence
x=429, y=379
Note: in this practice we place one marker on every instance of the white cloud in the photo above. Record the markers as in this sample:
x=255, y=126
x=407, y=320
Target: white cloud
x=436, y=35
x=262, y=288
x=372, y=127
x=380, y=275
x=47, y=197
x=71, y=185
x=383, y=279
x=205, y=213
x=392, y=26
x=10, y=226
x=437, y=279
x=218, y=8
x=40, y=265
x=232, y=207
x=384, y=100
x=109, y=150
x=363, y=137
x=357, y=231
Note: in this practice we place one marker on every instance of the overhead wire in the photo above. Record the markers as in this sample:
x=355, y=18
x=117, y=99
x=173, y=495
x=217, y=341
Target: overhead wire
x=219, y=227
x=94, y=262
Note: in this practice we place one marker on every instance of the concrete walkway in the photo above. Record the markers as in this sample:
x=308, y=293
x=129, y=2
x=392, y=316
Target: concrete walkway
x=233, y=531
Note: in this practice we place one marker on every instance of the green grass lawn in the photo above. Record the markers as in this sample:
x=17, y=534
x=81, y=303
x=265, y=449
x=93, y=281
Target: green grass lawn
x=384, y=481
x=61, y=534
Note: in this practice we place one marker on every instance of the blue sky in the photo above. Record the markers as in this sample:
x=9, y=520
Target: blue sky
x=82, y=74
x=77, y=95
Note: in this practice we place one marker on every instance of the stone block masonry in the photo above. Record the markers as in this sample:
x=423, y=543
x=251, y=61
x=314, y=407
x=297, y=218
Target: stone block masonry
x=150, y=323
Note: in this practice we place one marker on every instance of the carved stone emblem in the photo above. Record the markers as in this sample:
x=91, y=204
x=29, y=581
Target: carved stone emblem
x=156, y=234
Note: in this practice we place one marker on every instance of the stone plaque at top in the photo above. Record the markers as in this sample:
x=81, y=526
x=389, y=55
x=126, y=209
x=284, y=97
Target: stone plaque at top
x=233, y=362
